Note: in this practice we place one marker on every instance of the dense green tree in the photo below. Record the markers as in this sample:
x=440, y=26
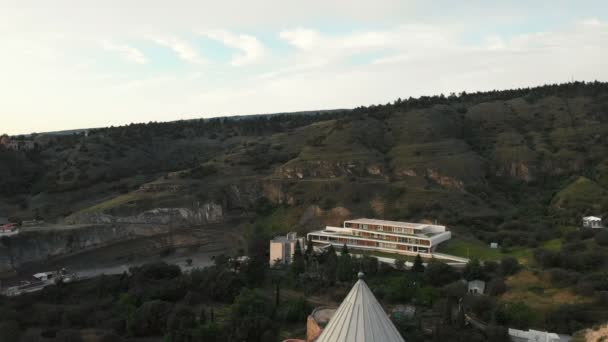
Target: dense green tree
x=251, y=315
x=345, y=268
x=10, y=331
x=344, y=249
x=438, y=273
x=418, y=267
x=369, y=265
x=181, y=324
x=309, y=247
x=509, y=266
x=474, y=271
x=151, y=318
x=297, y=266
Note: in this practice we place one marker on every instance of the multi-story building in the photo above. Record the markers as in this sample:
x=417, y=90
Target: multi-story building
x=283, y=247
x=385, y=236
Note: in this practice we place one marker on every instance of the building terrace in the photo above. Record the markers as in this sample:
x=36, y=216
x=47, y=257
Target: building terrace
x=389, y=236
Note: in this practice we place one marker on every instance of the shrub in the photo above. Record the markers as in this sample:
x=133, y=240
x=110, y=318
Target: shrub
x=601, y=238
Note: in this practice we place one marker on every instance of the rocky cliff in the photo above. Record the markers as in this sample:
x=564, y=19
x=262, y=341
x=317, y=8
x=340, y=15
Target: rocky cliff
x=38, y=244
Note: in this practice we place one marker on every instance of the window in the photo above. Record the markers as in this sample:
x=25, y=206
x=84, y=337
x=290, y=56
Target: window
x=364, y=226
x=380, y=228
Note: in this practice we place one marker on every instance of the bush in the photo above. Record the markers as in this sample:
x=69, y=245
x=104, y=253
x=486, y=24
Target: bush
x=601, y=238
x=9, y=331
x=439, y=274
x=151, y=318
x=509, y=266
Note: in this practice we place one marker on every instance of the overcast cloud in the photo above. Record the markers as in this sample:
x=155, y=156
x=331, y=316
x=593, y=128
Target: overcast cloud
x=72, y=65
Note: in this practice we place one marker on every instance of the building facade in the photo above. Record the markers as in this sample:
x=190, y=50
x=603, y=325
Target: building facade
x=386, y=236
x=283, y=247
x=592, y=222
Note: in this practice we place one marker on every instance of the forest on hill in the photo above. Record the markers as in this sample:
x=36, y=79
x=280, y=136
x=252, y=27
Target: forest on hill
x=516, y=167
x=525, y=160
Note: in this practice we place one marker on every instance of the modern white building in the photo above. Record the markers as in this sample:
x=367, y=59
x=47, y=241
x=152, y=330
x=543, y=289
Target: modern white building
x=283, y=247
x=592, y=222
x=386, y=236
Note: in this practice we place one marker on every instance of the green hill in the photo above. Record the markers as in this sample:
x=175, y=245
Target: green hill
x=472, y=161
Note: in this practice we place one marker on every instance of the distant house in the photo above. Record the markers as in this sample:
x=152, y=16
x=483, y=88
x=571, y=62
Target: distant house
x=494, y=245
x=592, y=222
x=536, y=336
x=476, y=287
x=283, y=247
x=9, y=229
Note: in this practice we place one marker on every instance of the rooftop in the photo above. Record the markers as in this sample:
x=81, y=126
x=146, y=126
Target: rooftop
x=410, y=225
x=360, y=318
x=592, y=218
x=291, y=236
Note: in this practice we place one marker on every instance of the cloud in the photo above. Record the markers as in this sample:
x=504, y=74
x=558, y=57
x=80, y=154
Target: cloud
x=252, y=50
x=182, y=48
x=128, y=52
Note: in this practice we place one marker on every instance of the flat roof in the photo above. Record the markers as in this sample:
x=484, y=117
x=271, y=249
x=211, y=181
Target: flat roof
x=392, y=223
x=592, y=218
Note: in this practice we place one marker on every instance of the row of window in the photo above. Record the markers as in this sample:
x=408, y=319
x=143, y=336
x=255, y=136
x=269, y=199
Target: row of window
x=367, y=243
x=400, y=239
x=363, y=243
x=388, y=229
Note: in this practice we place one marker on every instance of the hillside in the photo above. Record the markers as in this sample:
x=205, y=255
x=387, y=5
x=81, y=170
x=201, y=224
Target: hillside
x=473, y=161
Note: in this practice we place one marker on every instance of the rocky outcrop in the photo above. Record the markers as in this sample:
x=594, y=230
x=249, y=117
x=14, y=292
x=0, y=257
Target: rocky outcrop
x=445, y=181
x=202, y=214
x=518, y=170
x=39, y=244
x=328, y=169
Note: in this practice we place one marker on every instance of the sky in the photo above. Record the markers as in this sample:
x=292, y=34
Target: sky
x=84, y=64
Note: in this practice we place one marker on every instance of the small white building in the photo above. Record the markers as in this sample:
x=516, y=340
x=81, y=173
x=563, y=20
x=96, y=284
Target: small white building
x=592, y=222
x=535, y=336
x=493, y=245
x=476, y=287
x=282, y=248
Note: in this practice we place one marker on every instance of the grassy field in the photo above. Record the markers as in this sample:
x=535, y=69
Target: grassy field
x=536, y=290
x=475, y=249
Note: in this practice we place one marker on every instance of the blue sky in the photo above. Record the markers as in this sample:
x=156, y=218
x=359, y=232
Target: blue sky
x=73, y=64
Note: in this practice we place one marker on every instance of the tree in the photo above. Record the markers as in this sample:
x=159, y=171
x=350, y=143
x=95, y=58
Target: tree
x=309, y=247
x=251, y=315
x=509, y=266
x=438, y=273
x=151, y=318
x=181, y=324
x=330, y=264
x=297, y=264
x=601, y=238
x=369, y=265
x=418, y=267
x=474, y=271
x=344, y=269
x=497, y=286
x=400, y=264
x=344, y=249
x=9, y=331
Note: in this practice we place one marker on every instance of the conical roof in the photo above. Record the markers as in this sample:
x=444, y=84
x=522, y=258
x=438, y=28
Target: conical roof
x=360, y=318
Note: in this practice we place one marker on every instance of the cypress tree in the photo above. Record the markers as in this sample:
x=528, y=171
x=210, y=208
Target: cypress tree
x=418, y=267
